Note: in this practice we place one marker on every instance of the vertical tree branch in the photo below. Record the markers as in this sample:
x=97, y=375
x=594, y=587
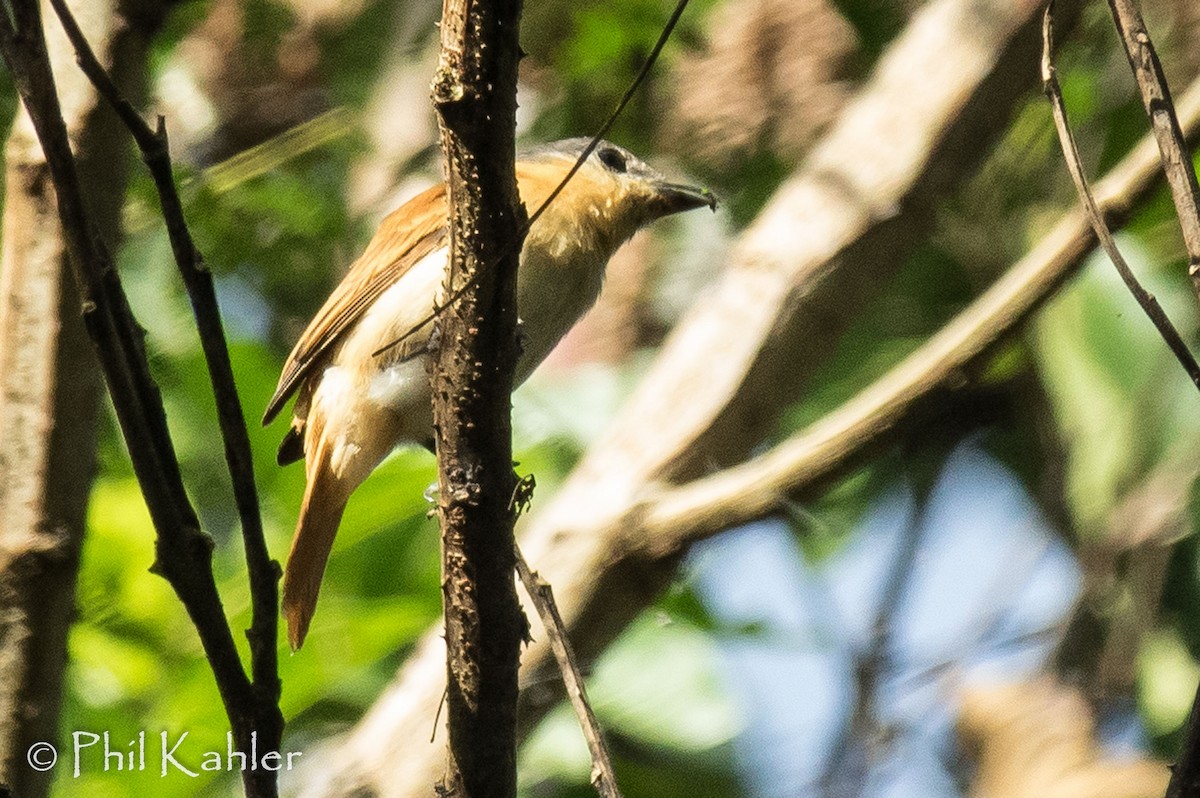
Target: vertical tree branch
x=474, y=92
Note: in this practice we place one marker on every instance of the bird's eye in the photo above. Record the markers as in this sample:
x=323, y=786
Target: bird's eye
x=613, y=158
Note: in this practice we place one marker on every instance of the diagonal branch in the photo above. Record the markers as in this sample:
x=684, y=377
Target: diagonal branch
x=1071, y=152
x=197, y=280
x=675, y=517
x=1156, y=97
x=542, y=595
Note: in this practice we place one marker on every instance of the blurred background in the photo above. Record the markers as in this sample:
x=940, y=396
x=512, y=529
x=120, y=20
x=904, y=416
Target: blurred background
x=1002, y=602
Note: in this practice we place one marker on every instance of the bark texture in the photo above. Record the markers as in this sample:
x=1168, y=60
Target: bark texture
x=474, y=92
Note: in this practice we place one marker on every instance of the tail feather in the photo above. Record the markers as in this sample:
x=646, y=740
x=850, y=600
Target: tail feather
x=291, y=448
x=324, y=501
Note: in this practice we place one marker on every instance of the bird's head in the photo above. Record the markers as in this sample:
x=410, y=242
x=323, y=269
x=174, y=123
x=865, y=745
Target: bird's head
x=612, y=195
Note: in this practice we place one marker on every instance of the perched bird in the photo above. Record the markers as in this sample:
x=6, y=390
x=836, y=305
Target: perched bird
x=354, y=403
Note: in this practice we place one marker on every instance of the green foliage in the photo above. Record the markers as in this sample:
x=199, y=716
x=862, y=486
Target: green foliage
x=595, y=51
x=1107, y=373
x=875, y=23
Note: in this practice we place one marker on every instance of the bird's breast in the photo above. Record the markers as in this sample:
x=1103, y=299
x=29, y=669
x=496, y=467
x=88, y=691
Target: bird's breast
x=556, y=284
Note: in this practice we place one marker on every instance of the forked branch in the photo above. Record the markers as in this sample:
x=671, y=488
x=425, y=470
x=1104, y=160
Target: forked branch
x=197, y=280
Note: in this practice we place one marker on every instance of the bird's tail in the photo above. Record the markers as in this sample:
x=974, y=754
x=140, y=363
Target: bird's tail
x=325, y=498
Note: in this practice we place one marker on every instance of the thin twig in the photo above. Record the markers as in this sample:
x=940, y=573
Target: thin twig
x=1156, y=97
x=871, y=665
x=579, y=162
x=263, y=571
x=1071, y=153
x=603, y=777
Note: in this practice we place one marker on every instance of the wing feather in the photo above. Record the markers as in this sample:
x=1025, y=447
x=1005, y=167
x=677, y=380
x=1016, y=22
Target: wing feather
x=404, y=237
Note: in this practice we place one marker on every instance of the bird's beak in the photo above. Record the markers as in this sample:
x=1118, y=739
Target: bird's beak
x=675, y=198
